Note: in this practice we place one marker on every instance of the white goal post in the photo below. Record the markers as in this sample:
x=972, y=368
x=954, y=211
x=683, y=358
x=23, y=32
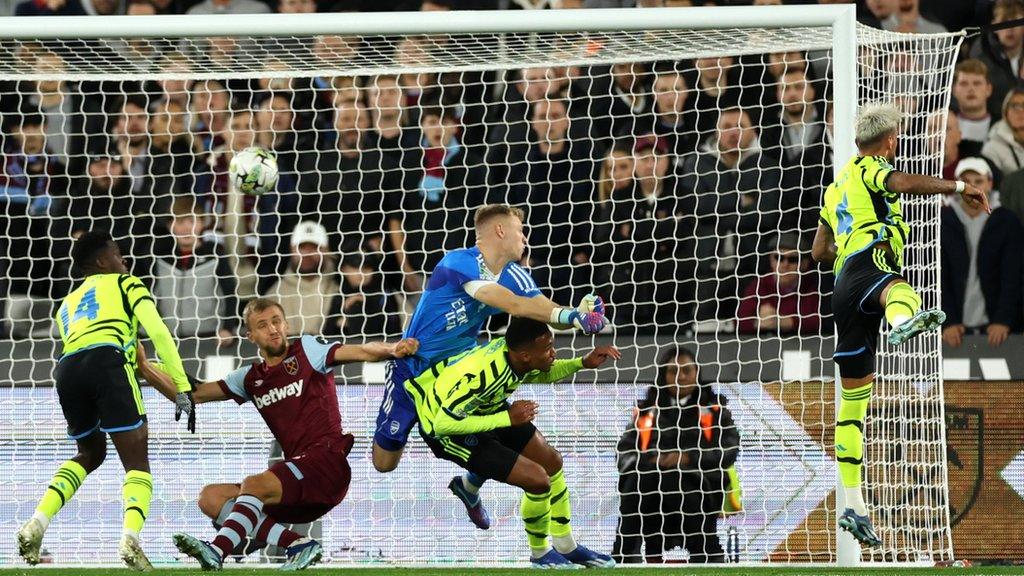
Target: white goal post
x=779, y=385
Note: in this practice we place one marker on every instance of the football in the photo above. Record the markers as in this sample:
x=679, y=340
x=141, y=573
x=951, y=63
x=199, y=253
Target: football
x=253, y=171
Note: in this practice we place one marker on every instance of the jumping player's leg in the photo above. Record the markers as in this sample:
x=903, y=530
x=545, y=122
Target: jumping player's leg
x=136, y=491
x=560, y=527
x=92, y=450
x=902, y=305
x=395, y=420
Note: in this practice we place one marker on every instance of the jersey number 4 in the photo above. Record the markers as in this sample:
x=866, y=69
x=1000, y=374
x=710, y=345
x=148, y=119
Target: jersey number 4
x=87, y=308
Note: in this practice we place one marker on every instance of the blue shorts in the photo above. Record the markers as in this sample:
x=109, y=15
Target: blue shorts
x=397, y=414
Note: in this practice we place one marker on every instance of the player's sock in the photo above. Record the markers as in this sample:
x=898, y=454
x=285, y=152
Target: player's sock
x=536, y=512
x=136, y=492
x=853, y=407
x=240, y=523
x=269, y=531
x=472, y=483
x=65, y=482
x=561, y=531
x=901, y=302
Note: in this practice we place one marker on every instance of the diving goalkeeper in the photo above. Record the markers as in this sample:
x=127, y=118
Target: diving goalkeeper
x=465, y=417
x=862, y=233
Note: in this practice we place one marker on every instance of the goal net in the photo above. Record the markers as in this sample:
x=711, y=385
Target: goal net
x=671, y=166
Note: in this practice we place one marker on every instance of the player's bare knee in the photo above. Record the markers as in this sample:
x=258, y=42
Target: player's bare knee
x=256, y=485
x=553, y=462
x=385, y=461
x=211, y=500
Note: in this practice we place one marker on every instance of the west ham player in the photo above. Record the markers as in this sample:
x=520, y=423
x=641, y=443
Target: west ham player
x=465, y=288
x=293, y=389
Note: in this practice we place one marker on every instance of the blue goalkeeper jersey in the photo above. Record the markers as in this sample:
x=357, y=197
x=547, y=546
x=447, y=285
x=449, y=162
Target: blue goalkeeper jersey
x=447, y=320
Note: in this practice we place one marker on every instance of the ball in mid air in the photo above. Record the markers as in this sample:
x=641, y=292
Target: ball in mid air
x=253, y=171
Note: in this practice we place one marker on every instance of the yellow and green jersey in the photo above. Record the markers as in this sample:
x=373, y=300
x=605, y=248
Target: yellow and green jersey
x=468, y=393
x=106, y=310
x=861, y=211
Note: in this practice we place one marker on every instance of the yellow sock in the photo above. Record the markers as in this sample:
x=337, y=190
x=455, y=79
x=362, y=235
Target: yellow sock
x=136, y=493
x=901, y=303
x=561, y=514
x=66, y=481
x=536, y=512
x=853, y=408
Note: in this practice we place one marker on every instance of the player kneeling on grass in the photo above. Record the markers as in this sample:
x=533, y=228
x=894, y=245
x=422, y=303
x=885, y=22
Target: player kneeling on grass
x=293, y=390
x=465, y=417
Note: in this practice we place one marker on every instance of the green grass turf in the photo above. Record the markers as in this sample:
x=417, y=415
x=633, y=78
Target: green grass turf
x=665, y=571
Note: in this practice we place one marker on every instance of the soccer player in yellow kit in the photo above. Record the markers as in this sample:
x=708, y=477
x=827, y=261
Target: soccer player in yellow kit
x=465, y=417
x=862, y=233
x=98, y=391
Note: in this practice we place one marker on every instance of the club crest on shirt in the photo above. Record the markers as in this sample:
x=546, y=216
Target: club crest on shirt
x=258, y=383
x=291, y=365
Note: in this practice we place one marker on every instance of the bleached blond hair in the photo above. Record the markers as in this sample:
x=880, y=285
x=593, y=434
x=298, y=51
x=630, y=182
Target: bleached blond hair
x=876, y=121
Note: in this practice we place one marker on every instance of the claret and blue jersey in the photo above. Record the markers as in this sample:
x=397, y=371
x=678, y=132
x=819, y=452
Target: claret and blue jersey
x=446, y=322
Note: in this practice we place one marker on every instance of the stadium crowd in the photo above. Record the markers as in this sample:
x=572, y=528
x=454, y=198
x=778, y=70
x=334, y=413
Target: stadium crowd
x=685, y=192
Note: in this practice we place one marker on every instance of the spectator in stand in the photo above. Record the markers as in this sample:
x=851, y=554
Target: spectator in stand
x=882, y=10
x=229, y=7
x=364, y=308
x=305, y=290
x=674, y=121
x=1005, y=146
x=907, y=18
x=177, y=90
x=1003, y=53
x=591, y=233
x=509, y=122
x=717, y=88
x=733, y=189
x=103, y=200
x=624, y=107
x=49, y=8
x=972, y=89
x=798, y=139
x=211, y=109
x=192, y=280
x=131, y=140
x=173, y=166
x=59, y=103
x=784, y=301
x=351, y=183
x=936, y=129
x=556, y=184
x=33, y=192
x=389, y=132
x=1011, y=193
x=650, y=280
x=676, y=467
x=443, y=183
x=981, y=264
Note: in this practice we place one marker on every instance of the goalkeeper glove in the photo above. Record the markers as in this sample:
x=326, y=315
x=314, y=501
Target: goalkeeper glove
x=591, y=303
x=588, y=322
x=185, y=403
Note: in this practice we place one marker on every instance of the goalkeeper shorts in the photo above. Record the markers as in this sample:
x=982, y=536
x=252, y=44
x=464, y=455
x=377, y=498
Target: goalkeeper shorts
x=858, y=311
x=491, y=455
x=397, y=413
x=97, y=390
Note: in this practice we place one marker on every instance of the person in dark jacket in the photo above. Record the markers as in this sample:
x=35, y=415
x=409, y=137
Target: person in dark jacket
x=672, y=466
x=981, y=264
x=193, y=283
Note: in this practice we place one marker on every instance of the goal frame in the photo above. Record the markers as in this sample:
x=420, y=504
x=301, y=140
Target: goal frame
x=841, y=19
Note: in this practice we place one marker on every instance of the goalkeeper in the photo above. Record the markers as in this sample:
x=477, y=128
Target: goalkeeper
x=862, y=232
x=99, y=394
x=465, y=417
x=465, y=288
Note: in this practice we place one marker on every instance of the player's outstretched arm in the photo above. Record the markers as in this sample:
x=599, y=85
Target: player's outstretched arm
x=905, y=183
x=539, y=308
x=824, y=247
x=562, y=369
x=155, y=374
x=375, y=351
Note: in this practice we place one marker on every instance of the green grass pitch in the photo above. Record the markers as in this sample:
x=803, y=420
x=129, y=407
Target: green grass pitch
x=669, y=570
